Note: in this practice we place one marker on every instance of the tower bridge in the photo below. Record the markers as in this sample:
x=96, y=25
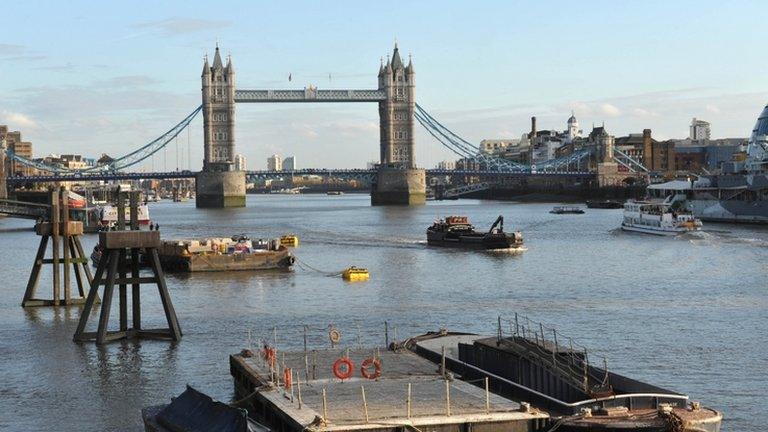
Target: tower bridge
x=398, y=181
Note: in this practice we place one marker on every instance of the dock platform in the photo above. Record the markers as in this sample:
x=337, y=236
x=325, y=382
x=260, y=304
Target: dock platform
x=410, y=393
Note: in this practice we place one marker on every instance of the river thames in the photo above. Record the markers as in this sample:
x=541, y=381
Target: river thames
x=689, y=314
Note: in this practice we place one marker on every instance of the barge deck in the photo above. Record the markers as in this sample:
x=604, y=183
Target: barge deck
x=410, y=393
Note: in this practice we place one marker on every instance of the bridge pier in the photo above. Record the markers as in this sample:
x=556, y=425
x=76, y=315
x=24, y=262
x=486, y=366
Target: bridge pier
x=220, y=189
x=395, y=186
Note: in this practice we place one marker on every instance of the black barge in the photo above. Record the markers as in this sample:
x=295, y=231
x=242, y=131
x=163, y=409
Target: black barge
x=456, y=231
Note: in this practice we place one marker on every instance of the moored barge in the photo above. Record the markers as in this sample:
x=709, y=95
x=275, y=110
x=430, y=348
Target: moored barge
x=445, y=381
x=224, y=254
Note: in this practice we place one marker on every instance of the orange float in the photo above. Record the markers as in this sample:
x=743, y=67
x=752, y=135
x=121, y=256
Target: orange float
x=288, y=377
x=365, y=368
x=269, y=355
x=343, y=368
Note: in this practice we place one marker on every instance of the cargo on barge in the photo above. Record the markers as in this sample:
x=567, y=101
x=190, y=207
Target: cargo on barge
x=224, y=254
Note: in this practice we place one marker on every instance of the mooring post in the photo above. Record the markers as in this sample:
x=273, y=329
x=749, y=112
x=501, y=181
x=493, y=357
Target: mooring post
x=447, y=398
x=64, y=197
x=305, y=340
x=543, y=340
x=386, y=335
x=517, y=326
x=487, y=397
x=55, y=213
x=365, y=403
x=325, y=406
x=314, y=365
x=498, y=339
x=298, y=388
x=274, y=336
x=408, y=402
x=442, y=362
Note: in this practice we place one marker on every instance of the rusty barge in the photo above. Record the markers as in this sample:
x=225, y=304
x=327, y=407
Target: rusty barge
x=225, y=254
x=446, y=381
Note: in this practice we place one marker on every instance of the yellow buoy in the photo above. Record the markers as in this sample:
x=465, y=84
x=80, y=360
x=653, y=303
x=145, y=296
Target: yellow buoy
x=290, y=240
x=353, y=274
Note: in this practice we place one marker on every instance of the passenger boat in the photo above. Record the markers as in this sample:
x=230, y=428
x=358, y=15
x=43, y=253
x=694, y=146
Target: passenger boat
x=657, y=218
x=334, y=193
x=456, y=231
x=224, y=254
x=566, y=210
x=605, y=204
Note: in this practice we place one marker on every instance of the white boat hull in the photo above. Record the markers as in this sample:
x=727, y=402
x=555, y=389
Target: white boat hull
x=656, y=231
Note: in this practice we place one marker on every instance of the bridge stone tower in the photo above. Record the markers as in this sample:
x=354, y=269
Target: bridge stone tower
x=398, y=179
x=3, y=186
x=219, y=185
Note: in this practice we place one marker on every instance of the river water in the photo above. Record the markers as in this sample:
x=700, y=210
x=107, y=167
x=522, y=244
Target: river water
x=689, y=314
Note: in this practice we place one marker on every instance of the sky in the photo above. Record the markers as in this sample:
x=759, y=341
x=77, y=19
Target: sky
x=108, y=77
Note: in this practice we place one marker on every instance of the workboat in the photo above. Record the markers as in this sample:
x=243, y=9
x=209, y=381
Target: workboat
x=224, y=254
x=456, y=231
x=604, y=204
x=658, y=218
x=566, y=210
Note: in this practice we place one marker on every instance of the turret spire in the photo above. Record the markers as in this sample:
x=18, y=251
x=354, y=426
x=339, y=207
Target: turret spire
x=217, y=59
x=206, y=67
x=397, y=63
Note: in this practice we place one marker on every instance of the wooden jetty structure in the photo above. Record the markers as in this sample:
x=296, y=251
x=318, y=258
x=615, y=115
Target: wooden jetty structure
x=393, y=391
x=120, y=256
x=64, y=237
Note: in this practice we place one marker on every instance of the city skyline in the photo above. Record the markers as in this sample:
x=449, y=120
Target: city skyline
x=114, y=83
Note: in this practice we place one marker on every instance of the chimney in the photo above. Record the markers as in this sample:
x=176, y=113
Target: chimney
x=648, y=159
x=532, y=135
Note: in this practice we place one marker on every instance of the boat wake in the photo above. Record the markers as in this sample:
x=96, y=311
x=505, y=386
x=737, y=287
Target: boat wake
x=510, y=251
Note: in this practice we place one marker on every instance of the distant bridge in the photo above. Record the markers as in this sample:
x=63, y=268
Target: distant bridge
x=356, y=174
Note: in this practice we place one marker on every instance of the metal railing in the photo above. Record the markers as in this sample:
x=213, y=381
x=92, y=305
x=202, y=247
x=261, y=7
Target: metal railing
x=557, y=352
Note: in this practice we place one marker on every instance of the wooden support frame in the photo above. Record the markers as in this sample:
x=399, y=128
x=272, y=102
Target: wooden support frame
x=64, y=237
x=120, y=266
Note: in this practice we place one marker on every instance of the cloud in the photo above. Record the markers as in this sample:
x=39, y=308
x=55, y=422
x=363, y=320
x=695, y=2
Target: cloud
x=642, y=112
x=11, y=49
x=16, y=120
x=178, y=26
x=609, y=110
x=711, y=108
x=131, y=81
x=13, y=52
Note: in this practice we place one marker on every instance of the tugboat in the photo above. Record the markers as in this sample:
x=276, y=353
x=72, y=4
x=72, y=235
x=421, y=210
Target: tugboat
x=456, y=231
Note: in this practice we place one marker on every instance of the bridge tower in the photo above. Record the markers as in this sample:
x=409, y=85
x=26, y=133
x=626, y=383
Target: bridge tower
x=398, y=180
x=3, y=186
x=219, y=185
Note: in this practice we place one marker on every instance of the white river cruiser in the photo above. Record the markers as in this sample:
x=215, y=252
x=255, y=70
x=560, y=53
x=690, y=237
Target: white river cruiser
x=651, y=217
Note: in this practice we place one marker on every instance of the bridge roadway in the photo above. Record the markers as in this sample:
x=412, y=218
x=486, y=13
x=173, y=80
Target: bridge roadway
x=325, y=172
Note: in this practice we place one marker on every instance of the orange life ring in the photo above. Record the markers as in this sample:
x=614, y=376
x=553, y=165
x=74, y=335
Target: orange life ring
x=288, y=377
x=365, y=368
x=343, y=368
x=269, y=355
